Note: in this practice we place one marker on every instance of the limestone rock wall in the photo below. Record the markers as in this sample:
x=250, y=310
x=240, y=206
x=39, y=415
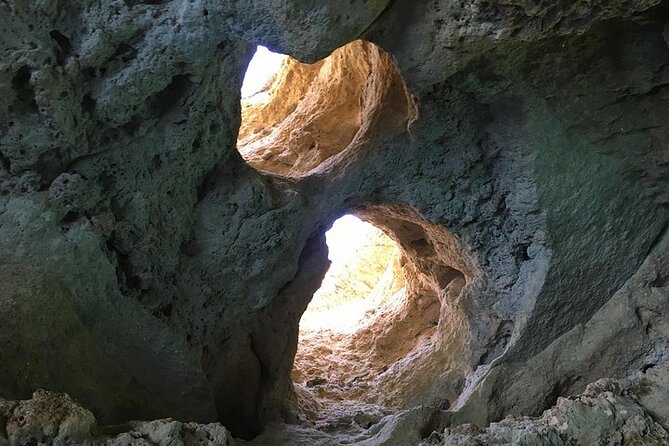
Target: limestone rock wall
x=111, y=116
x=148, y=271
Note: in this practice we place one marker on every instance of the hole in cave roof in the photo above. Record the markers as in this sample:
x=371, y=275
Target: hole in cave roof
x=264, y=66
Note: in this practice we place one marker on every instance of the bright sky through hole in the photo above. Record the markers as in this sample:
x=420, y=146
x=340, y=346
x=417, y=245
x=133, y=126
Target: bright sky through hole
x=262, y=67
x=360, y=278
x=346, y=236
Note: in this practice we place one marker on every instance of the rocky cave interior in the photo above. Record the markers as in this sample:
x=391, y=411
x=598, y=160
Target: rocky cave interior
x=418, y=223
x=374, y=320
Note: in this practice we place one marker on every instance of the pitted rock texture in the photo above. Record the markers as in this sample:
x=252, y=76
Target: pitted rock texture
x=627, y=412
x=311, y=113
x=52, y=418
x=149, y=271
x=608, y=412
x=632, y=411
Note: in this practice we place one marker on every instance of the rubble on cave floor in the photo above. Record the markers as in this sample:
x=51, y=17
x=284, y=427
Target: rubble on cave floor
x=632, y=411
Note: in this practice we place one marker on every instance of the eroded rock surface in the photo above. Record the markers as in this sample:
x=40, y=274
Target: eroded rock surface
x=626, y=412
x=609, y=412
x=149, y=271
x=52, y=418
x=310, y=113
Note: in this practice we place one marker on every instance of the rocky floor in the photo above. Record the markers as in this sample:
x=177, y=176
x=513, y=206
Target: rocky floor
x=629, y=412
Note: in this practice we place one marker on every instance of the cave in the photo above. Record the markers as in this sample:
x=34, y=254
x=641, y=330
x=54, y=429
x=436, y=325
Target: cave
x=338, y=353
x=174, y=176
x=305, y=116
x=361, y=324
x=302, y=121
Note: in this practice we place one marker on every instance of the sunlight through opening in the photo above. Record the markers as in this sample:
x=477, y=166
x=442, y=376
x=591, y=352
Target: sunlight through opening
x=261, y=70
x=361, y=277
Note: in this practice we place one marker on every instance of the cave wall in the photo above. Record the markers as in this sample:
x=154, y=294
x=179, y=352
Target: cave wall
x=111, y=117
x=148, y=271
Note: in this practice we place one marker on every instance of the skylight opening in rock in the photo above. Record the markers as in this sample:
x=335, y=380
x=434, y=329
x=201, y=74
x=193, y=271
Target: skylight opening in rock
x=307, y=115
x=347, y=235
x=362, y=276
x=263, y=67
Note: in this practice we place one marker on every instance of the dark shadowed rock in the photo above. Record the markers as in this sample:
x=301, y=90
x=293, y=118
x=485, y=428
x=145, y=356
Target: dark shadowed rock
x=516, y=151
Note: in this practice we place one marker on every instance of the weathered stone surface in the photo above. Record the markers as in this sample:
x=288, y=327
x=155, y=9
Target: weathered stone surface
x=609, y=412
x=46, y=418
x=52, y=418
x=99, y=109
x=628, y=333
x=432, y=40
x=313, y=112
x=148, y=271
x=307, y=29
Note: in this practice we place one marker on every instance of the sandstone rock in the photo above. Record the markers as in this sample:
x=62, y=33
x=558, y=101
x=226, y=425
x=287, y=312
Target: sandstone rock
x=437, y=39
x=150, y=272
x=627, y=334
